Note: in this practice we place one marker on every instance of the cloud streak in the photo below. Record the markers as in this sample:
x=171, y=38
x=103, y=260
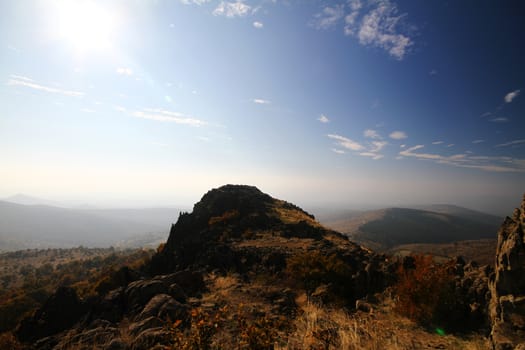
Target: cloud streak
x=511, y=143
x=168, y=116
x=261, y=101
x=371, y=149
x=346, y=142
x=29, y=83
x=486, y=163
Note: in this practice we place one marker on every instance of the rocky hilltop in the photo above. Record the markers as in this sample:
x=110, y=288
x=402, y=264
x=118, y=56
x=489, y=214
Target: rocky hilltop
x=244, y=270
x=269, y=250
x=507, y=285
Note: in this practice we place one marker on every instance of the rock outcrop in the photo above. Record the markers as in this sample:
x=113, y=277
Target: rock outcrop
x=507, y=284
x=234, y=229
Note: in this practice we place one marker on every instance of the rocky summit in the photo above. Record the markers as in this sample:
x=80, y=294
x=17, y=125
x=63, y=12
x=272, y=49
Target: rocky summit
x=245, y=270
x=507, y=285
x=267, y=249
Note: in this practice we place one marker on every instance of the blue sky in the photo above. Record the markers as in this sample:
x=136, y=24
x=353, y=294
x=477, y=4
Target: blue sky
x=352, y=103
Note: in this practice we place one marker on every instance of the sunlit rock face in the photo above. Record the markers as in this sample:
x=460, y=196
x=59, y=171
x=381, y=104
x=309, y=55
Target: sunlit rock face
x=507, y=285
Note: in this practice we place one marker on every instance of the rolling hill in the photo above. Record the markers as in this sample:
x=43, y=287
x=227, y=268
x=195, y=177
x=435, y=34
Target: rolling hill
x=386, y=228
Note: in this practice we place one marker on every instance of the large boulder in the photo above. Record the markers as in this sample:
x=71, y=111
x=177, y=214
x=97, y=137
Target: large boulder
x=507, y=284
x=61, y=311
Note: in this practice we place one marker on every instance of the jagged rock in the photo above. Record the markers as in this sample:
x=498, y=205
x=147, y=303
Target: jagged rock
x=164, y=307
x=191, y=282
x=146, y=323
x=151, y=337
x=507, y=284
x=177, y=285
x=61, y=311
x=138, y=293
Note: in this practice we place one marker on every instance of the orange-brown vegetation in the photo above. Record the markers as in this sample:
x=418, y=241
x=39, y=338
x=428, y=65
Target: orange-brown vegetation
x=313, y=268
x=30, y=277
x=425, y=290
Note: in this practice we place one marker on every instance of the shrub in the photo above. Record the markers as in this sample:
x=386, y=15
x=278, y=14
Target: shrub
x=424, y=291
x=313, y=268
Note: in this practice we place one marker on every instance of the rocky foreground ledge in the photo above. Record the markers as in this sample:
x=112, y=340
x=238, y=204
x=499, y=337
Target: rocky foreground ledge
x=507, y=285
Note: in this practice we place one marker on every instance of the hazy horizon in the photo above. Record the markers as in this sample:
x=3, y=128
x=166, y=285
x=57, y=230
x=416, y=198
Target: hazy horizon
x=501, y=208
x=345, y=104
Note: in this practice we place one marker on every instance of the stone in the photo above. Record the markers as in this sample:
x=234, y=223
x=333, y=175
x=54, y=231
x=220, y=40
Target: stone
x=507, y=285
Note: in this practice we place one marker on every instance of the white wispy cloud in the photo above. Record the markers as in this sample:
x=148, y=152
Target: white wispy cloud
x=398, y=135
x=486, y=163
x=450, y=145
x=511, y=96
x=20, y=77
x=232, y=9
x=486, y=114
x=374, y=23
x=162, y=115
x=500, y=120
x=194, y=2
x=437, y=142
x=338, y=151
x=511, y=143
x=323, y=119
x=29, y=83
x=377, y=146
x=261, y=101
x=372, y=155
x=371, y=134
x=379, y=28
x=371, y=149
x=258, y=24
x=478, y=141
x=346, y=142
x=433, y=72
x=328, y=17
x=124, y=71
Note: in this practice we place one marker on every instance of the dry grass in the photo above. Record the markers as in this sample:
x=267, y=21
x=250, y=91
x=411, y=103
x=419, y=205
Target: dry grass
x=293, y=216
x=321, y=328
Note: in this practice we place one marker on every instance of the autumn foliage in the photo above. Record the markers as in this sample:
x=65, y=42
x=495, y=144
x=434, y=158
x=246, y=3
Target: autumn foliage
x=425, y=290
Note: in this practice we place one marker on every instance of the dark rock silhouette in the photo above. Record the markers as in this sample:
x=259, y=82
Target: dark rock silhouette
x=507, y=284
x=61, y=311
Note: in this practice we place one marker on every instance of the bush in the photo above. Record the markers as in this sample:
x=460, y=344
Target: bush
x=425, y=290
x=313, y=268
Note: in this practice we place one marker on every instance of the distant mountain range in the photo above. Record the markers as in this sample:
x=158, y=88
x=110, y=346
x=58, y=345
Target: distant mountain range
x=33, y=225
x=386, y=228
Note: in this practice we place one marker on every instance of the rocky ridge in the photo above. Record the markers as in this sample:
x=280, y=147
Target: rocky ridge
x=507, y=284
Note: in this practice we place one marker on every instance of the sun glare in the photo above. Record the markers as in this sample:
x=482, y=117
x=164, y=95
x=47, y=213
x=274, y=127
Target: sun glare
x=85, y=25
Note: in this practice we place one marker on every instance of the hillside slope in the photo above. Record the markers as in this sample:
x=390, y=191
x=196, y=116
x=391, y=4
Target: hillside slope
x=386, y=228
